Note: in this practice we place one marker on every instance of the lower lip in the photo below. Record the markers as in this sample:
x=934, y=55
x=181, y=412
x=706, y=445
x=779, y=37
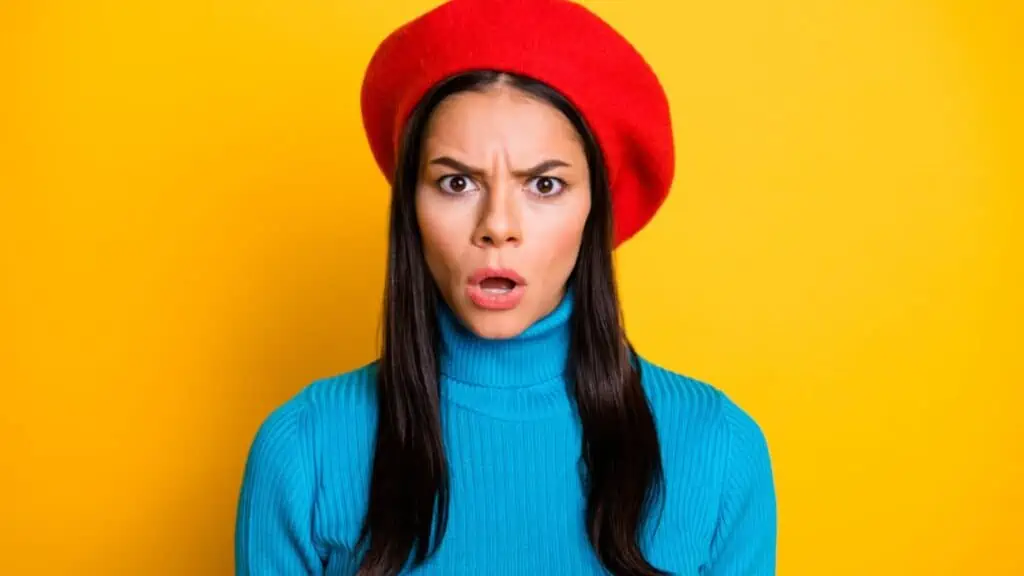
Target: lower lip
x=495, y=300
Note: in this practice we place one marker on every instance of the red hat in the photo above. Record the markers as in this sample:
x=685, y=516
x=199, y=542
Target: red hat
x=557, y=42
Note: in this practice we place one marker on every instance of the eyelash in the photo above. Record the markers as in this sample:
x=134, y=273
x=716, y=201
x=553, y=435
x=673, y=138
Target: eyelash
x=560, y=184
x=441, y=183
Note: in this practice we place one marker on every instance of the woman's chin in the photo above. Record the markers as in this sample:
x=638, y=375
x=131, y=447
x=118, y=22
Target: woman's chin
x=495, y=324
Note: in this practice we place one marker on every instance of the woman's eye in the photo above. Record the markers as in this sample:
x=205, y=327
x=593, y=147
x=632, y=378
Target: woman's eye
x=546, y=185
x=456, y=184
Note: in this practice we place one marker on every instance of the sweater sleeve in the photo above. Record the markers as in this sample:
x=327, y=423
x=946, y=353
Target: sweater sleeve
x=274, y=524
x=744, y=543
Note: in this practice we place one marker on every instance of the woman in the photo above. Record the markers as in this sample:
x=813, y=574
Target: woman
x=508, y=426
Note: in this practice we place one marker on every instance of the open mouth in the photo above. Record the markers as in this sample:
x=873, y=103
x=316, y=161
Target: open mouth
x=497, y=285
x=496, y=289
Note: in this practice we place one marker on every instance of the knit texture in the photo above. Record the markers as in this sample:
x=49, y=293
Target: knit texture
x=513, y=444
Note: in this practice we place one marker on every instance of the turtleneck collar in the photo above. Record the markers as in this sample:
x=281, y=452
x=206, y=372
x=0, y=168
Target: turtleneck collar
x=512, y=378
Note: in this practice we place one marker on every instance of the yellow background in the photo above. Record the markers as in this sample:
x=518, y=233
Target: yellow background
x=192, y=229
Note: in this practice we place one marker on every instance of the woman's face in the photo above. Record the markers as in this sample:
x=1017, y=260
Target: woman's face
x=502, y=198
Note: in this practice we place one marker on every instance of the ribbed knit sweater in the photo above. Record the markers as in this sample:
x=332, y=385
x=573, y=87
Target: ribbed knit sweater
x=512, y=439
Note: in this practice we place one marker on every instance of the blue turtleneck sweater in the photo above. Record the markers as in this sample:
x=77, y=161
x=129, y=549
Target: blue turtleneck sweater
x=513, y=443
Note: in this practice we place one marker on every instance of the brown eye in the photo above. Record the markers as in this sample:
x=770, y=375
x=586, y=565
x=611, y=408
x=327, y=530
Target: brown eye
x=456, y=184
x=547, y=185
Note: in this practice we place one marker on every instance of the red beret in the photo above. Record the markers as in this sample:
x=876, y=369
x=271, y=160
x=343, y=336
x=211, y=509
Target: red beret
x=557, y=42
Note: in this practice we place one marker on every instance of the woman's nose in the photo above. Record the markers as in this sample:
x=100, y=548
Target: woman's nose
x=500, y=216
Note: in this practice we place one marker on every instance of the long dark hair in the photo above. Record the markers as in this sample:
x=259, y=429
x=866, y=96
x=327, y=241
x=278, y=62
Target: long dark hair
x=409, y=491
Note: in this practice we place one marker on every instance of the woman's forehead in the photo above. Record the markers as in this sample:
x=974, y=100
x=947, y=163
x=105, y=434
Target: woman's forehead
x=500, y=117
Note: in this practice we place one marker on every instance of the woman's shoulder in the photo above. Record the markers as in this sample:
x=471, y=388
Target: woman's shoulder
x=344, y=395
x=321, y=435
x=685, y=394
x=694, y=411
x=716, y=453
x=337, y=406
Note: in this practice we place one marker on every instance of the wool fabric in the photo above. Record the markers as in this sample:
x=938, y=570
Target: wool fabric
x=558, y=42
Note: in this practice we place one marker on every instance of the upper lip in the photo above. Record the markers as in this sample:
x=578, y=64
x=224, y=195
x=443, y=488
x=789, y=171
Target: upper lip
x=484, y=273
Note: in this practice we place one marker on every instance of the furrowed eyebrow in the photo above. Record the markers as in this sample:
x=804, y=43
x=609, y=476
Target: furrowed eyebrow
x=542, y=168
x=456, y=165
x=536, y=170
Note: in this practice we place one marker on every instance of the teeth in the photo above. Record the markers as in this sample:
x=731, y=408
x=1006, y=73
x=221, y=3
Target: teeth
x=497, y=290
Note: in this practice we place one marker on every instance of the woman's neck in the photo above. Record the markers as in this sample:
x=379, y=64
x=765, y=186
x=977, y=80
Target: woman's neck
x=536, y=356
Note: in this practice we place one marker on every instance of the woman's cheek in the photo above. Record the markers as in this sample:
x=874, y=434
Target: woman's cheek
x=562, y=246
x=437, y=248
